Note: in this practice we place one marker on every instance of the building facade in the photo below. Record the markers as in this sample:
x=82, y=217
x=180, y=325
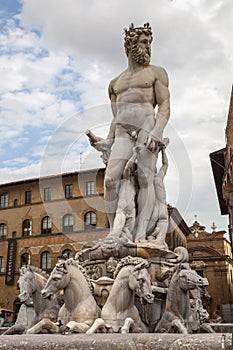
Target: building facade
x=227, y=183
x=210, y=255
x=222, y=166
x=41, y=219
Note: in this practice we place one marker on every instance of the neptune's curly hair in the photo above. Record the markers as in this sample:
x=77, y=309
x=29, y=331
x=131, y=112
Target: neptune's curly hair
x=132, y=34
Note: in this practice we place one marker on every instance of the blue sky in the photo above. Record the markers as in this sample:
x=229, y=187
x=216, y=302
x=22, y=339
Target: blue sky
x=57, y=58
x=9, y=8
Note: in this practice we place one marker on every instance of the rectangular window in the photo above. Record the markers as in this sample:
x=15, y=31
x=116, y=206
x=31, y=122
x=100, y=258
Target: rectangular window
x=4, y=200
x=90, y=188
x=68, y=191
x=45, y=261
x=1, y=264
x=27, y=228
x=2, y=231
x=28, y=197
x=47, y=194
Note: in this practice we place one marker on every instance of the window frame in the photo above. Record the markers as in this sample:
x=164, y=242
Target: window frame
x=4, y=200
x=3, y=230
x=47, y=194
x=68, y=252
x=27, y=231
x=28, y=197
x=69, y=227
x=27, y=259
x=90, y=219
x=2, y=264
x=68, y=191
x=90, y=188
x=45, y=265
x=48, y=229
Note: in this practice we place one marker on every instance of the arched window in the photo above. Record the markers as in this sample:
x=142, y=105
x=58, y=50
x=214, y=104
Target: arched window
x=68, y=223
x=46, y=225
x=67, y=253
x=4, y=200
x=45, y=261
x=1, y=264
x=27, y=228
x=2, y=231
x=24, y=259
x=90, y=220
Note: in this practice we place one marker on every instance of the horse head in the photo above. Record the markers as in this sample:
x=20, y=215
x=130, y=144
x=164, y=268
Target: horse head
x=58, y=280
x=189, y=279
x=27, y=283
x=140, y=282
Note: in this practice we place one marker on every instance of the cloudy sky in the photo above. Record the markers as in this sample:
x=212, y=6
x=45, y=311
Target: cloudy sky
x=57, y=59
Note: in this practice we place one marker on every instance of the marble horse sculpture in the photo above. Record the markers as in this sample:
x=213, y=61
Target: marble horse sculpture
x=119, y=314
x=80, y=309
x=31, y=281
x=24, y=320
x=199, y=322
x=177, y=314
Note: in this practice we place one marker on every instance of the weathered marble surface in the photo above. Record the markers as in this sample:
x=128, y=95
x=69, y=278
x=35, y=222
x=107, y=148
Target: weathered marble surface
x=134, y=190
x=115, y=342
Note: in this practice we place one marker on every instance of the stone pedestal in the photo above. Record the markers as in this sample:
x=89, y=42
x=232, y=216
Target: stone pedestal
x=147, y=341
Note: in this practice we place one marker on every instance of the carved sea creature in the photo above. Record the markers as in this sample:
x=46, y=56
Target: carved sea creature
x=31, y=281
x=119, y=314
x=79, y=310
x=177, y=312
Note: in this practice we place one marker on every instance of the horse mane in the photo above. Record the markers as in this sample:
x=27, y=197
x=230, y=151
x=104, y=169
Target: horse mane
x=133, y=261
x=183, y=255
x=34, y=269
x=76, y=263
x=181, y=266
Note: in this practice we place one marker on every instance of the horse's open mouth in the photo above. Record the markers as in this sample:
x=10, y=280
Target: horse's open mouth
x=24, y=298
x=46, y=296
x=149, y=298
